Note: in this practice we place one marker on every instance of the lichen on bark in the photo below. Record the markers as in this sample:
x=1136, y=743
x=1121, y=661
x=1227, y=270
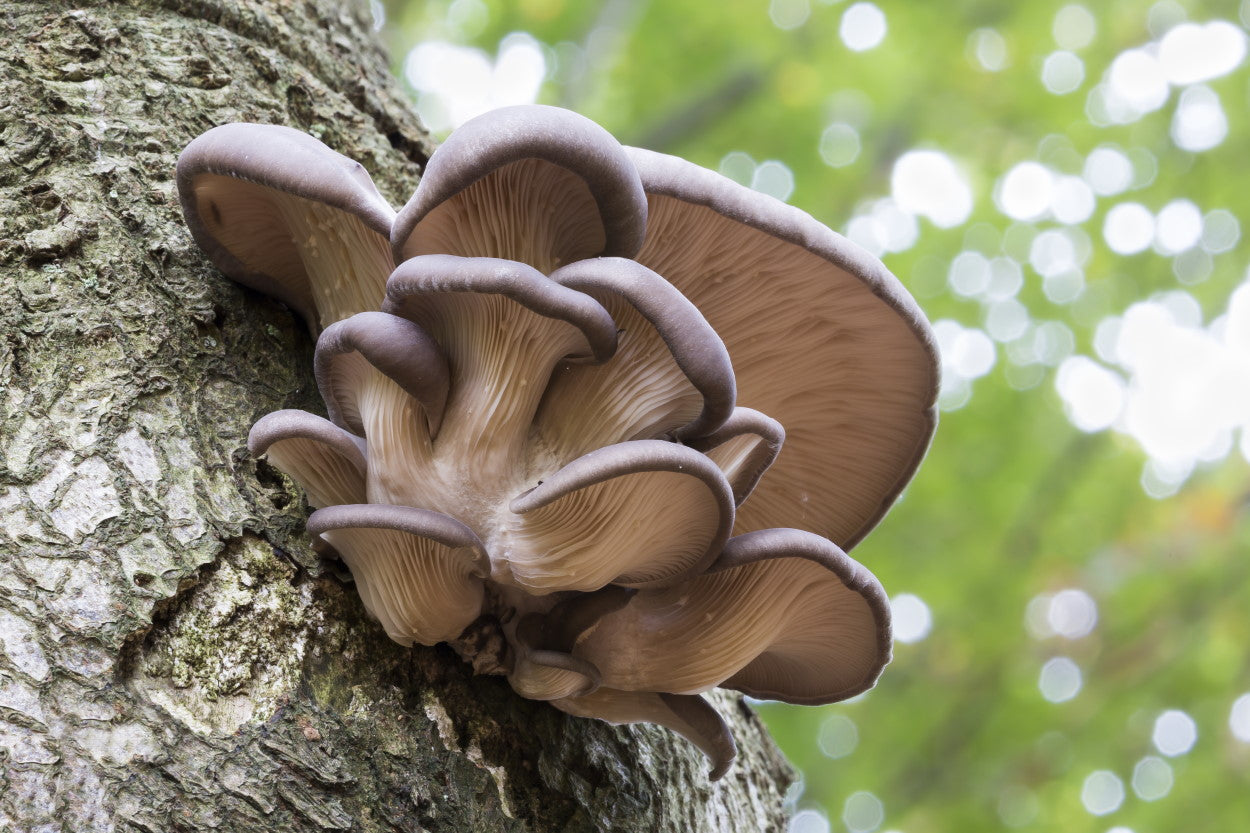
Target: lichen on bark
x=172, y=654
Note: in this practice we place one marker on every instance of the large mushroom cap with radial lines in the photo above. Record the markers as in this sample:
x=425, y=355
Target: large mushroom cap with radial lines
x=822, y=337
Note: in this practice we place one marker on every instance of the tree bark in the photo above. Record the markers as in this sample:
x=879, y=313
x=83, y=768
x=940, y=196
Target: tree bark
x=173, y=656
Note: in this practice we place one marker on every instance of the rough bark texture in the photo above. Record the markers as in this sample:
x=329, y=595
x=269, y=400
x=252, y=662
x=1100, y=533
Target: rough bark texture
x=172, y=654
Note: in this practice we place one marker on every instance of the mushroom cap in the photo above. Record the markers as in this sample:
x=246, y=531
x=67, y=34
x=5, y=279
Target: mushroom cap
x=841, y=647
x=570, y=163
x=327, y=462
x=645, y=513
x=229, y=181
x=546, y=674
x=419, y=285
x=687, y=714
x=744, y=447
x=823, y=339
x=393, y=345
x=781, y=614
x=667, y=333
x=418, y=572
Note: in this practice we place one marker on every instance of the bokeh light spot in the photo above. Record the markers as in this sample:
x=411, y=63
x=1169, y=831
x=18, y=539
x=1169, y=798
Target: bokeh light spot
x=863, y=812
x=838, y=736
x=1060, y=679
x=1175, y=733
x=863, y=27
x=1074, y=27
x=1239, y=718
x=1062, y=72
x=1152, y=778
x=1102, y=792
x=911, y=616
x=927, y=183
x=1128, y=228
x=839, y=145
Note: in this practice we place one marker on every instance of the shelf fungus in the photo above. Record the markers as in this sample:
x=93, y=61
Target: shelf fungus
x=558, y=385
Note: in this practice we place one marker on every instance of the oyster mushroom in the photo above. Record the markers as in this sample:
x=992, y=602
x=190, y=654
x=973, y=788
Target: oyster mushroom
x=549, y=419
x=535, y=184
x=281, y=213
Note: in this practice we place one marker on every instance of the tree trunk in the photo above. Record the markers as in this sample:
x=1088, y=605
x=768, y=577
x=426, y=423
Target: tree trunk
x=173, y=656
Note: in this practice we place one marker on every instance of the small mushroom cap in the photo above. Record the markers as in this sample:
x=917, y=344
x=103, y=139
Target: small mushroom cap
x=419, y=572
x=671, y=374
x=420, y=286
x=645, y=513
x=392, y=345
x=690, y=716
x=525, y=183
x=327, y=462
x=541, y=673
x=234, y=182
x=744, y=447
x=503, y=326
x=782, y=614
x=823, y=339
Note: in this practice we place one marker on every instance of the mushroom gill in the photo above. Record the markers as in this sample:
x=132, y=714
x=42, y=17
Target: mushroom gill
x=591, y=366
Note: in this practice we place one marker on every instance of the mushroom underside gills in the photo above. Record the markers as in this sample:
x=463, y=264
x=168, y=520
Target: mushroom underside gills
x=321, y=260
x=637, y=514
x=854, y=439
x=394, y=346
x=327, y=462
x=744, y=447
x=419, y=573
x=670, y=376
x=531, y=211
x=796, y=631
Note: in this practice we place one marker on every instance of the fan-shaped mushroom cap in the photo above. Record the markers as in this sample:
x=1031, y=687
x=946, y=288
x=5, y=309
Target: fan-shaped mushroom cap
x=781, y=614
x=646, y=513
x=744, y=447
x=670, y=374
x=419, y=572
x=347, y=349
x=280, y=212
x=823, y=339
x=689, y=715
x=327, y=462
x=535, y=184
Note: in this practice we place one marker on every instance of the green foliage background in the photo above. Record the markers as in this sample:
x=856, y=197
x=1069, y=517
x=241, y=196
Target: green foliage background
x=1013, y=501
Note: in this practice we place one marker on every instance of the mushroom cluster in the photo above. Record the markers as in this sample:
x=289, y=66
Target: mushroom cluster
x=535, y=450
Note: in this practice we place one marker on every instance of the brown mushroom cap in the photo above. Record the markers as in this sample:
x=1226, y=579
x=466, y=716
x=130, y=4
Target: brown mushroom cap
x=327, y=462
x=782, y=614
x=670, y=375
x=535, y=184
x=744, y=447
x=419, y=572
x=280, y=212
x=394, y=346
x=823, y=339
x=646, y=513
